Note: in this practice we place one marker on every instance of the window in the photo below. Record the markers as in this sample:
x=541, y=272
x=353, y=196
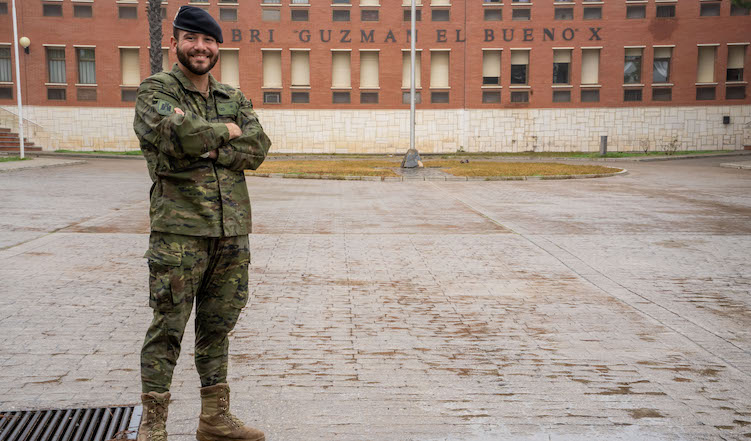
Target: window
x=561, y=66
x=52, y=11
x=561, y=96
x=493, y=14
x=86, y=65
x=6, y=93
x=299, y=15
x=272, y=69
x=271, y=2
x=341, y=73
x=300, y=97
x=492, y=1
x=491, y=97
x=440, y=15
x=738, y=10
x=129, y=12
x=705, y=93
x=56, y=64
x=408, y=15
x=272, y=97
x=128, y=95
x=705, y=69
x=632, y=94
x=564, y=13
x=368, y=97
x=340, y=98
x=590, y=66
x=227, y=14
x=710, y=10
x=300, y=69
x=519, y=67
x=520, y=97
x=4, y=11
x=56, y=94
x=405, y=97
x=271, y=15
x=439, y=69
x=662, y=94
x=661, y=65
x=590, y=96
x=521, y=14
x=636, y=11
x=369, y=65
x=491, y=67
x=439, y=97
x=86, y=94
x=341, y=2
x=340, y=15
x=6, y=70
x=735, y=93
x=229, y=64
x=82, y=11
x=632, y=66
x=406, y=71
x=369, y=3
x=592, y=13
x=736, y=60
x=369, y=15
x=665, y=11
x=130, y=67
x=300, y=2
x=440, y=2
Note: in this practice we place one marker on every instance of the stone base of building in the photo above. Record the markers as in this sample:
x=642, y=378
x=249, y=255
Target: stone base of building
x=437, y=131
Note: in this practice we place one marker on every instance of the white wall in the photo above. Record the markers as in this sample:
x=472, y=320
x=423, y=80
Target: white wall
x=438, y=131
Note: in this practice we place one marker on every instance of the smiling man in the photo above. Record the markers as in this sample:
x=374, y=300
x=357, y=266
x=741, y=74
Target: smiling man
x=197, y=136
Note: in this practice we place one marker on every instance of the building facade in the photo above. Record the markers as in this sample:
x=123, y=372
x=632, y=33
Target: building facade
x=333, y=76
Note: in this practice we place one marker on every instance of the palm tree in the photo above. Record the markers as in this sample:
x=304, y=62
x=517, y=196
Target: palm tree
x=155, y=35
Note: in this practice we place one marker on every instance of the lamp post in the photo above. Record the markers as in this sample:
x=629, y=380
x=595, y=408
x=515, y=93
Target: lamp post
x=25, y=42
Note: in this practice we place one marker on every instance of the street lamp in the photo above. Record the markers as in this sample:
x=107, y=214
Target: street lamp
x=25, y=43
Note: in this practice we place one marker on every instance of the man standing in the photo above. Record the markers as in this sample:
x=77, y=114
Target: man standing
x=197, y=136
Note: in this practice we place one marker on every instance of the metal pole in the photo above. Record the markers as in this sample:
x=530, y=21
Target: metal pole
x=412, y=39
x=18, y=78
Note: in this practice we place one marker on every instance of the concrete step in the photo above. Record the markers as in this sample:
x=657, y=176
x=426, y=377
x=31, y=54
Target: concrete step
x=11, y=143
x=18, y=149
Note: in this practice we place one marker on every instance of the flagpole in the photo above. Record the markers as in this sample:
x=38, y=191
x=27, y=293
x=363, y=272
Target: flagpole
x=18, y=79
x=412, y=39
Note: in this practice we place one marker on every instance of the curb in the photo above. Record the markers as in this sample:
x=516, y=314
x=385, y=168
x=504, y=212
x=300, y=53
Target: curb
x=31, y=165
x=432, y=178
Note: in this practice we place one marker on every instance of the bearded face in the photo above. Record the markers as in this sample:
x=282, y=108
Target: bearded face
x=198, y=58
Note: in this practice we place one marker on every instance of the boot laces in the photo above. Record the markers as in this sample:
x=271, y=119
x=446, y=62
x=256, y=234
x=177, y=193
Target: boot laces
x=228, y=416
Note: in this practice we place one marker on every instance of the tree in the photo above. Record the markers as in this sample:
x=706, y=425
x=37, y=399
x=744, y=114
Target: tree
x=155, y=35
x=742, y=3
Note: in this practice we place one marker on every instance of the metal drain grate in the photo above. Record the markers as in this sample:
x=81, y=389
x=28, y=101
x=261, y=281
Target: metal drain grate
x=92, y=424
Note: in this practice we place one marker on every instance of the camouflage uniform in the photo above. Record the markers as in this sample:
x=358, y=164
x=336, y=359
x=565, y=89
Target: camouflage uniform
x=200, y=219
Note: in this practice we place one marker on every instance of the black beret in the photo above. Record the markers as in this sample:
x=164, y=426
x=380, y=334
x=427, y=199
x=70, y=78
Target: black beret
x=192, y=19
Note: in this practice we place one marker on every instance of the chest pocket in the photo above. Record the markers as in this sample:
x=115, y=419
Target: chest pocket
x=227, y=110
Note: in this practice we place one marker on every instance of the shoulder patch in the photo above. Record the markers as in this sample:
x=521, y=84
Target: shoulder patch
x=227, y=108
x=164, y=107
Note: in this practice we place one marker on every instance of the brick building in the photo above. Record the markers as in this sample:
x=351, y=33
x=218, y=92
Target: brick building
x=333, y=76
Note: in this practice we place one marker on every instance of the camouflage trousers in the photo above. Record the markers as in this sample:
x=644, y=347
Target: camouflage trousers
x=213, y=273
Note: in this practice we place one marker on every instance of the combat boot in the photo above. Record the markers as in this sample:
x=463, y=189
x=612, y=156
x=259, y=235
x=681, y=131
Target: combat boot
x=217, y=423
x=154, y=417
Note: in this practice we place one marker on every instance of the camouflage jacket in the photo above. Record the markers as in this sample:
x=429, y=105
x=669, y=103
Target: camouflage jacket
x=191, y=195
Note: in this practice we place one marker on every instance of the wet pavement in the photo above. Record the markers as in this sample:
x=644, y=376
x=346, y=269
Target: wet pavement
x=612, y=309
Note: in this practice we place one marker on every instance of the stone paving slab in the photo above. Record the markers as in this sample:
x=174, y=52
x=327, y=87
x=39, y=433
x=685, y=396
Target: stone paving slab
x=609, y=309
x=744, y=165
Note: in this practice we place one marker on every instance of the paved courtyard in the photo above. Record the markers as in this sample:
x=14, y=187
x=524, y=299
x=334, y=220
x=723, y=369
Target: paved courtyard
x=598, y=309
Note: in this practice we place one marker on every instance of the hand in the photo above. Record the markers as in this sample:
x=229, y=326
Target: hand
x=179, y=111
x=212, y=154
x=234, y=130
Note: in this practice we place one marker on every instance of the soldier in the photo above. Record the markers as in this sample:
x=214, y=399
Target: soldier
x=198, y=136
